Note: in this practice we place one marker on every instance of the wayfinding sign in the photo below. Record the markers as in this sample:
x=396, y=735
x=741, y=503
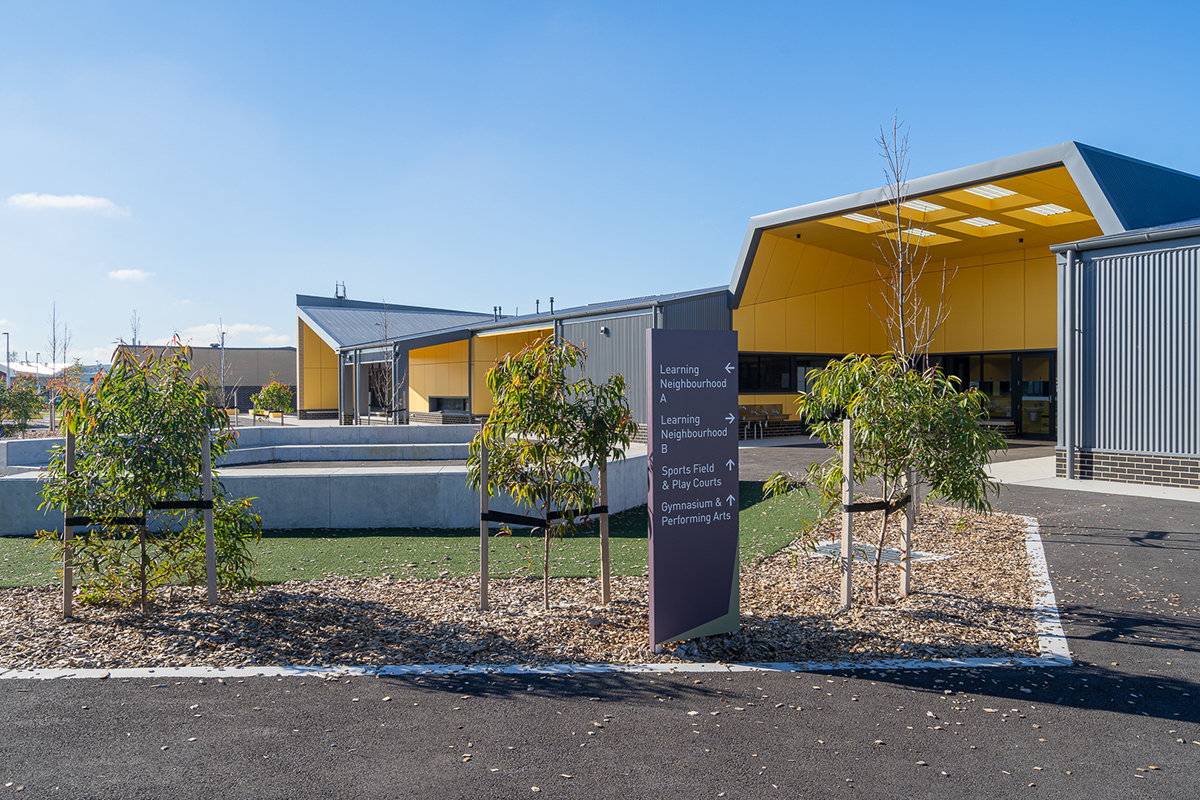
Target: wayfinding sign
x=692, y=437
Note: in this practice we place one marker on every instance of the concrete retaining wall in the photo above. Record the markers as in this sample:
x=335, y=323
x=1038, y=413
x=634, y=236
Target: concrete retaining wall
x=306, y=438
x=365, y=497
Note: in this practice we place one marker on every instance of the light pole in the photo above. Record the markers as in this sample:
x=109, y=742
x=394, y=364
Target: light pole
x=7, y=366
x=224, y=399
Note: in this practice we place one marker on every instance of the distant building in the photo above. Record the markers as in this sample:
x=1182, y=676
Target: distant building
x=247, y=369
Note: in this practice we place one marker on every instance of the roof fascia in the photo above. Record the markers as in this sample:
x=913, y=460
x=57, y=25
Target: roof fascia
x=325, y=335
x=1102, y=209
x=1066, y=154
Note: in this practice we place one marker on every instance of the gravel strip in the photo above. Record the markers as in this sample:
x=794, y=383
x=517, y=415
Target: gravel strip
x=978, y=603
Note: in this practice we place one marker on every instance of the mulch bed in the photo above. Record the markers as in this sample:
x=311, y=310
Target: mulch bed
x=978, y=603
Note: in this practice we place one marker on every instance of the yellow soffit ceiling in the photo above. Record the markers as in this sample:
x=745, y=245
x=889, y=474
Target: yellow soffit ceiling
x=515, y=330
x=1022, y=212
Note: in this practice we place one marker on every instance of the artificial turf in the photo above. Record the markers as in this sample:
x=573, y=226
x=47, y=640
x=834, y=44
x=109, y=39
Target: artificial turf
x=766, y=526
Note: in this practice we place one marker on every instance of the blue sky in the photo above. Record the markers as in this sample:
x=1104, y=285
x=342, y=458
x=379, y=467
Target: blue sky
x=208, y=162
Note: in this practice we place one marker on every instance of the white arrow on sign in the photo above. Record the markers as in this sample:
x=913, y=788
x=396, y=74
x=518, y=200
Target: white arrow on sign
x=730, y=418
x=732, y=499
x=729, y=367
x=731, y=464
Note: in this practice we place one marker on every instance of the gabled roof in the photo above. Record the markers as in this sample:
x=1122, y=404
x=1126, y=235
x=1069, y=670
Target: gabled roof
x=347, y=323
x=486, y=322
x=1121, y=194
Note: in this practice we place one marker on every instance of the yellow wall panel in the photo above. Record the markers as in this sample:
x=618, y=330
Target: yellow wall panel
x=1041, y=303
x=743, y=323
x=808, y=270
x=828, y=314
x=878, y=313
x=964, y=326
x=759, y=267
x=780, y=271
x=801, y=326
x=1004, y=306
x=770, y=333
x=836, y=269
x=856, y=330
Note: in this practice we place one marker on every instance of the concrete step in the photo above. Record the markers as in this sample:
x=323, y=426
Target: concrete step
x=347, y=452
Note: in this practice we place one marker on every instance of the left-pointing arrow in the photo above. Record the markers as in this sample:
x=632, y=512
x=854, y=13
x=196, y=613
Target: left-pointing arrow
x=729, y=367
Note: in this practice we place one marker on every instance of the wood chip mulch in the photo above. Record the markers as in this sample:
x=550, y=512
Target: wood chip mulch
x=978, y=603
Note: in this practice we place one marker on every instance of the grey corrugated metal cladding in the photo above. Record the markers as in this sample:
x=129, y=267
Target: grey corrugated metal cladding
x=1139, y=351
x=705, y=313
x=620, y=349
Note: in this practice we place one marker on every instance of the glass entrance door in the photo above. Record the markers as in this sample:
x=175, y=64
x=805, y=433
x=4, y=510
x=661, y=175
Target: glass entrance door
x=1036, y=397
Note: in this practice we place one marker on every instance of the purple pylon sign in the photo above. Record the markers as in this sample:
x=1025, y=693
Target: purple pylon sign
x=692, y=444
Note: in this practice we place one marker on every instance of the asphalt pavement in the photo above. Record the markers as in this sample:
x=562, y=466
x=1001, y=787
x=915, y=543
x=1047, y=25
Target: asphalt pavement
x=1122, y=722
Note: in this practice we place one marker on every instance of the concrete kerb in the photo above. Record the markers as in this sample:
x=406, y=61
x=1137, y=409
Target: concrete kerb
x=1052, y=644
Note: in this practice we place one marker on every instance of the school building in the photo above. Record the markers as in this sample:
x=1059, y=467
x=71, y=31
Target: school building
x=1009, y=234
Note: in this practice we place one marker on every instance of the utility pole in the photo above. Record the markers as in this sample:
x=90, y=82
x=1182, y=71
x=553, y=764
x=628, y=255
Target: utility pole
x=7, y=366
x=221, y=329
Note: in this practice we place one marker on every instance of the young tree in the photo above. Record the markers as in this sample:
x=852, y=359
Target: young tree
x=532, y=437
x=904, y=420
x=275, y=396
x=909, y=319
x=18, y=404
x=139, y=431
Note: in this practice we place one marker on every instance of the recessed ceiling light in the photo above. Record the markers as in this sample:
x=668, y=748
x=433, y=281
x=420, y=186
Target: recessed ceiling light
x=990, y=191
x=922, y=206
x=920, y=233
x=1048, y=209
x=861, y=218
x=979, y=222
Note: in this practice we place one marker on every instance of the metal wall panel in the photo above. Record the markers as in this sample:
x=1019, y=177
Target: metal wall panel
x=707, y=313
x=1139, y=352
x=622, y=350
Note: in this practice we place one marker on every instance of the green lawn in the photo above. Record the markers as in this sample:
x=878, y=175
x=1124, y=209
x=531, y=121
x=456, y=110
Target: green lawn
x=766, y=526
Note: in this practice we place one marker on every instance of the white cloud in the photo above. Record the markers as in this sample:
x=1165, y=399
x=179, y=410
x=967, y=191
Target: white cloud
x=68, y=202
x=275, y=340
x=129, y=275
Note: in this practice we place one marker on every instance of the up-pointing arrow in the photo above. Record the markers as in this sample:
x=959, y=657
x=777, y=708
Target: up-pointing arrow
x=729, y=367
x=731, y=464
x=732, y=499
x=730, y=418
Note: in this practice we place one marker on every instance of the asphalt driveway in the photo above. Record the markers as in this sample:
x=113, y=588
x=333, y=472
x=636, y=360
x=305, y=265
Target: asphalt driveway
x=1124, y=721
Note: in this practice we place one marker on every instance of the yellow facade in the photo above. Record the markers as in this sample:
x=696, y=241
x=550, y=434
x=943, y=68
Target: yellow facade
x=487, y=350
x=319, y=372
x=438, y=371
x=815, y=286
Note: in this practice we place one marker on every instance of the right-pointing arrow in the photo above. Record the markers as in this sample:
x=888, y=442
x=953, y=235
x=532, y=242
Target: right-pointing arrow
x=730, y=418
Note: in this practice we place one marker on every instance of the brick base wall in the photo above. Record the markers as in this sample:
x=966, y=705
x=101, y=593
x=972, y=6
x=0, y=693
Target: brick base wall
x=1127, y=468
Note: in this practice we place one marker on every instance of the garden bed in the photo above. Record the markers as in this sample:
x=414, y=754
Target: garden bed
x=976, y=603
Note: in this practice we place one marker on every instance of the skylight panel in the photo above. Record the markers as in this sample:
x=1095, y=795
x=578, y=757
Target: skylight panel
x=921, y=234
x=980, y=222
x=923, y=206
x=1048, y=209
x=861, y=218
x=990, y=191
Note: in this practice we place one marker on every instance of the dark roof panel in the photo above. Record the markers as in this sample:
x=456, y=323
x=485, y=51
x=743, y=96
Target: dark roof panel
x=1143, y=194
x=355, y=325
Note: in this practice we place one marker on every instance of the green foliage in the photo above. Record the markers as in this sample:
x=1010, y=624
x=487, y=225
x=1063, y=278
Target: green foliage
x=904, y=419
x=275, y=396
x=138, y=433
x=18, y=405
x=545, y=431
